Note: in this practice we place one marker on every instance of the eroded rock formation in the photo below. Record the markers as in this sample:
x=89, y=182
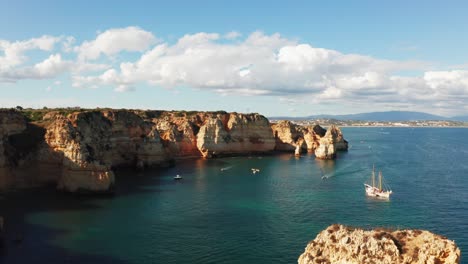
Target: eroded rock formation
x=287, y=135
x=235, y=134
x=79, y=149
x=94, y=142
x=324, y=143
x=11, y=123
x=341, y=244
x=330, y=143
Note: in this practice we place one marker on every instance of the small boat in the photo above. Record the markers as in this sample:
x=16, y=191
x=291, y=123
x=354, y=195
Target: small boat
x=324, y=177
x=254, y=170
x=378, y=191
x=177, y=177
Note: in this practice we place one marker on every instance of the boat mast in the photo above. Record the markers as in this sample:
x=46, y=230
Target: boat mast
x=373, y=176
x=380, y=180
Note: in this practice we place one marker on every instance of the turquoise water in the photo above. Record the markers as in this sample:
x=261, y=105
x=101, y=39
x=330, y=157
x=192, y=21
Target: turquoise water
x=234, y=216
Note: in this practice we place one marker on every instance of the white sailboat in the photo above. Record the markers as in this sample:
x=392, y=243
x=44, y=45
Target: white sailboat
x=377, y=190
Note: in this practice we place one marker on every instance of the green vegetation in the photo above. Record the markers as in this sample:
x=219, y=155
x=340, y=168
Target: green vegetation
x=34, y=115
x=37, y=115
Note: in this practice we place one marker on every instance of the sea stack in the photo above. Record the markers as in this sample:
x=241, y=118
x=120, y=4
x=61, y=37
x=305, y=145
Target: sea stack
x=342, y=244
x=330, y=143
x=324, y=143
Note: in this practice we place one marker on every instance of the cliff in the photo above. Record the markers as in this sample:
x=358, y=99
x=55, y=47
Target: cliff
x=288, y=136
x=80, y=149
x=341, y=244
x=324, y=143
x=235, y=134
x=11, y=122
x=330, y=143
x=15, y=144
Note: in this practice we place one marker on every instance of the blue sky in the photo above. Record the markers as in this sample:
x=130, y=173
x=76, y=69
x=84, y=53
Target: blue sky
x=291, y=58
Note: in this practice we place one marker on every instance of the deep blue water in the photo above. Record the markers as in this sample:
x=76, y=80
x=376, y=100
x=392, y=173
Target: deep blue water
x=234, y=216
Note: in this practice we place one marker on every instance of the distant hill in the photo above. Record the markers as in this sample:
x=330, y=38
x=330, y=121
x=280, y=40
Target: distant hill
x=379, y=116
x=460, y=118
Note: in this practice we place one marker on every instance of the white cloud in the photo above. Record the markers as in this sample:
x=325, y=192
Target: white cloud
x=113, y=41
x=454, y=83
x=14, y=51
x=255, y=65
x=51, y=67
x=232, y=35
x=68, y=44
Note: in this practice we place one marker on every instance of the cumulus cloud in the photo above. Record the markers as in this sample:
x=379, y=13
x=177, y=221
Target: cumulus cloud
x=450, y=83
x=14, y=51
x=232, y=35
x=273, y=65
x=258, y=64
x=113, y=41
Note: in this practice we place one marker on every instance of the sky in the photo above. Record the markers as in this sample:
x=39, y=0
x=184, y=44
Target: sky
x=277, y=58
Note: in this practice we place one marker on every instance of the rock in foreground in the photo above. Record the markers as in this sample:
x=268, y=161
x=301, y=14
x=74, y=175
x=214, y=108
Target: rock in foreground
x=341, y=244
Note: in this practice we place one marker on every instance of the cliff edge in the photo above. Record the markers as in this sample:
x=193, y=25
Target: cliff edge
x=79, y=149
x=341, y=244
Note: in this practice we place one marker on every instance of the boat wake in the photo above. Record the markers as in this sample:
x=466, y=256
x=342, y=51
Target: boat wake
x=226, y=168
x=324, y=175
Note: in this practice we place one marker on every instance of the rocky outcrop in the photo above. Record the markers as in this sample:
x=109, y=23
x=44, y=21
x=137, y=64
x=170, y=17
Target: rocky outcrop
x=341, y=244
x=11, y=123
x=80, y=149
x=330, y=143
x=94, y=142
x=178, y=136
x=288, y=135
x=324, y=143
x=235, y=134
x=312, y=136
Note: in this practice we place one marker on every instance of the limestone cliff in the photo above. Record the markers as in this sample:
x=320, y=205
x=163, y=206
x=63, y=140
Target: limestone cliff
x=330, y=143
x=312, y=136
x=324, y=143
x=341, y=244
x=235, y=133
x=94, y=142
x=288, y=135
x=78, y=149
x=11, y=123
x=178, y=136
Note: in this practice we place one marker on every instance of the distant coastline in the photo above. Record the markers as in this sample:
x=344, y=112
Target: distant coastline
x=364, y=123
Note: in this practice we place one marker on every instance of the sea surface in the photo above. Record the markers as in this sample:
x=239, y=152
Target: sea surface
x=220, y=212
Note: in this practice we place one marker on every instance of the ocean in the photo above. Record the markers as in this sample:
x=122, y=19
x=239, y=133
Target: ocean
x=221, y=212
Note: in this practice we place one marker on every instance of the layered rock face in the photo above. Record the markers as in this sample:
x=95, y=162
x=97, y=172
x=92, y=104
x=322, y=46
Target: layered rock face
x=312, y=137
x=178, y=136
x=288, y=135
x=11, y=123
x=78, y=150
x=324, y=143
x=94, y=142
x=330, y=143
x=341, y=244
x=235, y=134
